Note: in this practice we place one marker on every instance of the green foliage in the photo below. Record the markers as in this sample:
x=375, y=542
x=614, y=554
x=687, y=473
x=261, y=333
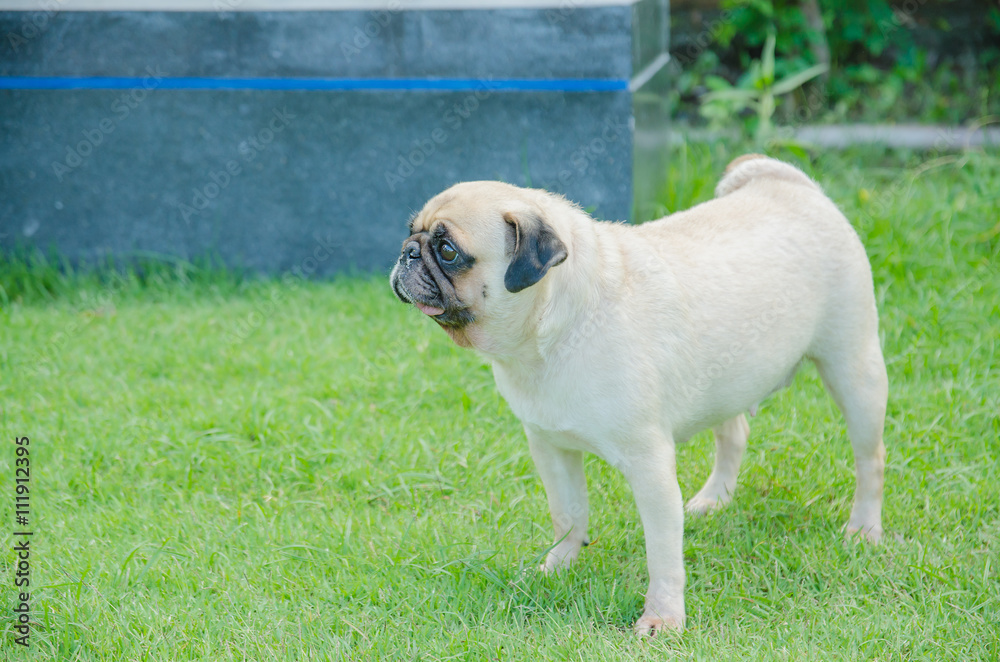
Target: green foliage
x=757, y=90
x=866, y=30
x=749, y=24
x=28, y=275
x=856, y=30
x=878, y=71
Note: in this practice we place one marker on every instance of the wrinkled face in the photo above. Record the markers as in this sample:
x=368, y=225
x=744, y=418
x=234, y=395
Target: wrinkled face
x=429, y=274
x=468, y=254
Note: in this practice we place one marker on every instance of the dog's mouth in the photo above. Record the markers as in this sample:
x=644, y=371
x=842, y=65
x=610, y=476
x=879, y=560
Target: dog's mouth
x=455, y=318
x=433, y=311
x=404, y=295
x=430, y=303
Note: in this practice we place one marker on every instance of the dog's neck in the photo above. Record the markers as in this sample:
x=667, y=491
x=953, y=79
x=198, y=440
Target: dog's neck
x=565, y=303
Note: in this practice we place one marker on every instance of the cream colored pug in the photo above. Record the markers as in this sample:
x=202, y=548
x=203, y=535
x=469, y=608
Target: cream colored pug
x=624, y=341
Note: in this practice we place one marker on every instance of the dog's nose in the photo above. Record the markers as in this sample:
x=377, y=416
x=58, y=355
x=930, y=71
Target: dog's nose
x=412, y=250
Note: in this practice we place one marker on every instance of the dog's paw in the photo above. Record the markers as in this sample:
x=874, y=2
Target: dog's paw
x=550, y=565
x=870, y=534
x=651, y=624
x=560, y=557
x=702, y=504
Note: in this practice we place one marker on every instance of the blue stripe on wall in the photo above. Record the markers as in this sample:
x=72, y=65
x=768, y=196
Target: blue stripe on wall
x=401, y=84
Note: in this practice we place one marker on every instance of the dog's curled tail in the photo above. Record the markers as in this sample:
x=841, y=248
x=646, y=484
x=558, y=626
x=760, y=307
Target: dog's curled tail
x=748, y=167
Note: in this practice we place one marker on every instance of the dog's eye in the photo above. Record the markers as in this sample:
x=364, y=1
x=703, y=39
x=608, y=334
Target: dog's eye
x=447, y=252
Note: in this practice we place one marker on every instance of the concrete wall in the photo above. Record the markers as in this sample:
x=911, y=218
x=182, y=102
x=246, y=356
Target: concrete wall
x=266, y=138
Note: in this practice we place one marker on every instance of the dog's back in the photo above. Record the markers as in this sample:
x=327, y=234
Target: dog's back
x=770, y=266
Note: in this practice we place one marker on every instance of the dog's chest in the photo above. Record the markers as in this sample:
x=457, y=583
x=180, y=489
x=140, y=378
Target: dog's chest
x=560, y=403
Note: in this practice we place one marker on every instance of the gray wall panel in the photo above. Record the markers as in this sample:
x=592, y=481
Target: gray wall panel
x=340, y=166
x=514, y=43
x=174, y=171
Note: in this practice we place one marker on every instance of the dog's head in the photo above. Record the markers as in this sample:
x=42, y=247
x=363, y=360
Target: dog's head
x=472, y=252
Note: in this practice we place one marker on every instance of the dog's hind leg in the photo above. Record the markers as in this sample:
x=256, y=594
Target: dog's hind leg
x=857, y=380
x=730, y=442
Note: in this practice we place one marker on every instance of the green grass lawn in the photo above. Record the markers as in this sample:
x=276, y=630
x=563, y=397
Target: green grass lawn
x=228, y=469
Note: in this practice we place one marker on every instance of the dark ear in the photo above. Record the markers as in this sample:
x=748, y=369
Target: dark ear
x=536, y=250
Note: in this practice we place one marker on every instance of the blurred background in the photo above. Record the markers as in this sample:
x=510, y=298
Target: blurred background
x=919, y=61
x=262, y=135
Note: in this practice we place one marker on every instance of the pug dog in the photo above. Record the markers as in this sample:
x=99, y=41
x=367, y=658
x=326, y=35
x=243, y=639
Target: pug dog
x=623, y=341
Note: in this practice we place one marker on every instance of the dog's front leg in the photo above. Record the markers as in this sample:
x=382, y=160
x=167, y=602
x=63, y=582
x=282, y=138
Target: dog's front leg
x=653, y=477
x=566, y=487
